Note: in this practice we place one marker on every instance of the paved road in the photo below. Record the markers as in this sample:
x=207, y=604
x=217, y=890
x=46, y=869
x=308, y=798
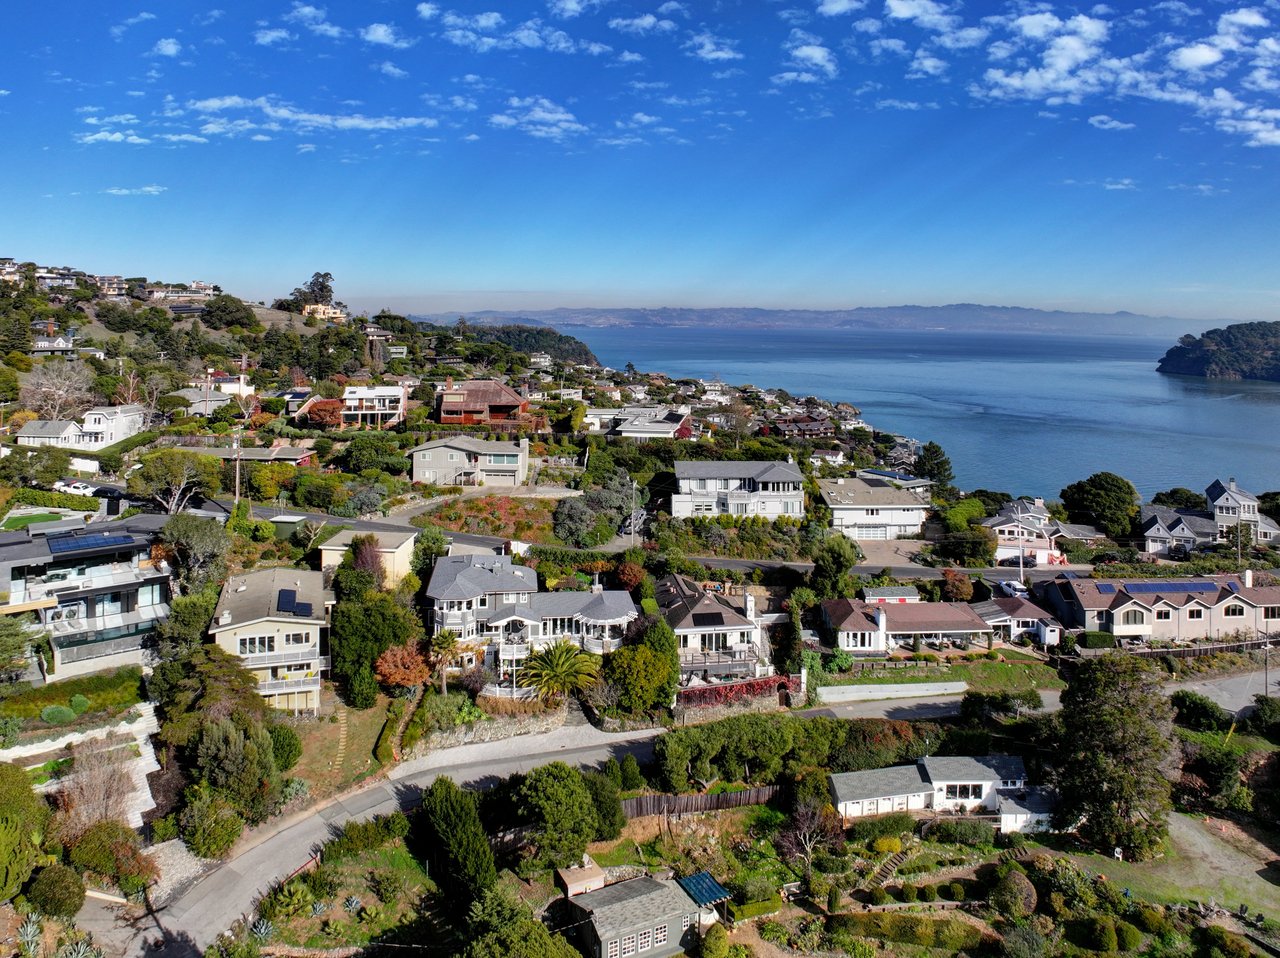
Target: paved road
x=218, y=900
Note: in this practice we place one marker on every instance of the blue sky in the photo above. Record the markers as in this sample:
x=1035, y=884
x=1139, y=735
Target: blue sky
x=819, y=153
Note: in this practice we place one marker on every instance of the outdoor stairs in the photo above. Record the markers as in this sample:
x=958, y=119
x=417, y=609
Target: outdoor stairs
x=574, y=716
x=1010, y=854
x=885, y=871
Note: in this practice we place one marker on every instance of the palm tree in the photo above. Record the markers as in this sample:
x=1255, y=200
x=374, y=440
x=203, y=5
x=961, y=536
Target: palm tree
x=441, y=648
x=557, y=670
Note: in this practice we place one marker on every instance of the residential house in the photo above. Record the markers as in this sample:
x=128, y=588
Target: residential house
x=464, y=461
x=293, y=455
x=325, y=313
x=102, y=426
x=1025, y=528
x=394, y=548
x=276, y=621
x=397, y=351
x=640, y=422
x=802, y=426
x=202, y=401
x=111, y=285
x=1019, y=618
x=985, y=784
x=895, y=594
x=500, y=617
x=827, y=457
x=1229, y=506
x=374, y=407
x=873, y=508
x=1166, y=609
x=539, y=361
x=717, y=638
x=54, y=344
x=97, y=591
x=233, y=384
x=903, y=480
x=864, y=628
x=481, y=402
x=715, y=393
x=642, y=916
x=768, y=489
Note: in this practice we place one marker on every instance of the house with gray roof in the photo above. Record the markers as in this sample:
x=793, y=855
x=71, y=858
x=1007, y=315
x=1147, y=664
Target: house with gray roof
x=1025, y=528
x=1228, y=506
x=772, y=490
x=500, y=617
x=951, y=783
x=717, y=638
x=466, y=461
x=644, y=916
x=877, y=628
x=874, y=508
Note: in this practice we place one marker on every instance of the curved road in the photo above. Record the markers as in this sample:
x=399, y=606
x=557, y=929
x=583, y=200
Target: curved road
x=188, y=924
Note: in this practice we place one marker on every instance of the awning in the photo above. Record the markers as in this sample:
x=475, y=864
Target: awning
x=703, y=889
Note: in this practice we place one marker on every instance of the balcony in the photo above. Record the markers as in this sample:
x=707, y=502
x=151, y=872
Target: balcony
x=310, y=654
x=512, y=651
x=600, y=646
x=290, y=685
x=58, y=582
x=719, y=662
x=107, y=626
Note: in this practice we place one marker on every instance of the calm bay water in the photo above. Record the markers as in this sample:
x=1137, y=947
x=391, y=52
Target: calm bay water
x=1020, y=412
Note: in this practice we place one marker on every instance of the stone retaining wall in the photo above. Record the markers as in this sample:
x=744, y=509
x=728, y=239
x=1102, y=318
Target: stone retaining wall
x=831, y=694
x=490, y=730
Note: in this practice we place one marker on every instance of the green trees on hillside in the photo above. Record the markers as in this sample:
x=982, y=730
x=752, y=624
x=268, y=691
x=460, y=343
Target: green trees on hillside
x=1104, y=500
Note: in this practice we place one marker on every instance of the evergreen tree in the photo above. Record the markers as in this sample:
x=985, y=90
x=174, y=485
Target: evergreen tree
x=458, y=848
x=934, y=464
x=557, y=806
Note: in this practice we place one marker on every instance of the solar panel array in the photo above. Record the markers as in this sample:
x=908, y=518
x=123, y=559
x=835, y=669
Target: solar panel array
x=1106, y=588
x=63, y=544
x=1138, y=588
x=287, y=602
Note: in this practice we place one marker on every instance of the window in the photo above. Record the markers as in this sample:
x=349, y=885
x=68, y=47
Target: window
x=1271, y=612
x=1163, y=615
x=1195, y=613
x=613, y=948
x=296, y=638
x=453, y=457
x=1133, y=617
x=684, y=923
x=660, y=935
x=628, y=945
x=644, y=941
x=257, y=644
x=1233, y=611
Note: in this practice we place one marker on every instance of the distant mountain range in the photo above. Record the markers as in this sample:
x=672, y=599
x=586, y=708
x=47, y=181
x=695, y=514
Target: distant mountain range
x=960, y=316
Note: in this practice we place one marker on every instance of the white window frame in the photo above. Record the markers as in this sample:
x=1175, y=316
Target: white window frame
x=628, y=945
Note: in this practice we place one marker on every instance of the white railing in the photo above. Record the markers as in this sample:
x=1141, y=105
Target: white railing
x=513, y=651
x=259, y=660
x=289, y=685
x=507, y=692
x=600, y=646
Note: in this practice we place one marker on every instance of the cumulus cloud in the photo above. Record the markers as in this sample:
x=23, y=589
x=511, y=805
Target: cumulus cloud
x=926, y=65
x=151, y=190
x=1124, y=183
x=533, y=34
x=1195, y=56
x=119, y=29
x=707, y=46
x=276, y=115
x=427, y=11
x=168, y=47
x=538, y=117
x=568, y=9
x=808, y=59
x=389, y=69
x=910, y=105
x=834, y=8
x=5, y=92
x=314, y=19
x=1104, y=122
x=265, y=38
x=112, y=136
x=386, y=35
x=183, y=138
x=629, y=56
x=641, y=25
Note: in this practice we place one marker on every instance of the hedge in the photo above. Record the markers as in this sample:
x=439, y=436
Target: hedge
x=947, y=933
x=110, y=691
x=963, y=832
x=570, y=557
x=119, y=448
x=887, y=826
x=384, y=750
x=56, y=500
x=754, y=909
x=1096, y=640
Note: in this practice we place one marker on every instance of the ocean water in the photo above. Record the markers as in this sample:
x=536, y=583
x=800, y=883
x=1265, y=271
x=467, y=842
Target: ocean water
x=1025, y=413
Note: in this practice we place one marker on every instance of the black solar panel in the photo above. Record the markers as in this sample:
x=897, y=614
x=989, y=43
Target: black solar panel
x=708, y=618
x=63, y=544
x=1106, y=588
x=286, y=600
x=1139, y=588
x=303, y=609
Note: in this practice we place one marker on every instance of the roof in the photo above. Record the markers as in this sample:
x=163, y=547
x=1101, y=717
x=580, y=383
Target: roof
x=471, y=576
x=632, y=904
x=970, y=768
x=285, y=594
x=112, y=412
x=46, y=428
x=759, y=471
x=1111, y=593
x=470, y=444
x=703, y=889
x=879, y=783
x=388, y=540
x=488, y=392
x=600, y=607
x=686, y=606
x=1034, y=801
x=866, y=492
x=362, y=392
x=193, y=395
x=892, y=592
x=252, y=453
x=904, y=618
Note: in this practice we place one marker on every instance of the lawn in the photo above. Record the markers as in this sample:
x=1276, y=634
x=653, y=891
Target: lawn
x=507, y=517
x=110, y=693
x=319, y=766
x=21, y=522
x=981, y=676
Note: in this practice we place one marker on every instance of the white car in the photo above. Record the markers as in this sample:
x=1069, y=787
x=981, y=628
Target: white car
x=81, y=489
x=1013, y=589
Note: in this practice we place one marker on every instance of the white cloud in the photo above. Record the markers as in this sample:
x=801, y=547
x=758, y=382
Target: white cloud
x=924, y=13
x=385, y=34
x=260, y=138
x=265, y=38
x=911, y=105
x=1104, y=122
x=168, y=47
x=1069, y=66
x=387, y=68
x=484, y=22
x=926, y=65
x=627, y=56
x=1037, y=26
x=464, y=103
x=306, y=147
x=5, y=92
x=427, y=11
x=1196, y=56
x=314, y=19
x=279, y=116
x=119, y=29
x=1125, y=183
x=539, y=117
x=111, y=136
x=1176, y=10
x=809, y=59
x=183, y=138
x=890, y=45
x=641, y=25
x=672, y=7
x=568, y=9
x=867, y=25
x=834, y=8
x=151, y=190
x=788, y=77
x=210, y=16
x=707, y=46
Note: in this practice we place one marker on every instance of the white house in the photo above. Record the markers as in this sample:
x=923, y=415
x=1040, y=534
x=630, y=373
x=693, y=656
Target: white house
x=863, y=628
x=1229, y=506
x=1015, y=618
x=966, y=784
x=717, y=638
x=465, y=461
x=1025, y=528
x=394, y=548
x=768, y=489
x=873, y=508
x=102, y=426
x=639, y=422
x=379, y=407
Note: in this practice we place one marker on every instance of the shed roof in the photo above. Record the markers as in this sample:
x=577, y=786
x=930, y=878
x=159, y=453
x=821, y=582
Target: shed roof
x=879, y=783
x=703, y=889
x=633, y=904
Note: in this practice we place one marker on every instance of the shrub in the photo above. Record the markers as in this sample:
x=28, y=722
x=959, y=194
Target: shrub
x=79, y=704
x=928, y=892
x=1217, y=942
x=886, y=846
x=1151, y=920
x=1014, y=896
x=632, y=778
x=286, y=747
x=947, y=933
x=879, y=896
x=384, y=749
x=56, y=500
x=715, y=943
x=963, y=832
x=909, y=892
x=164, y=829
x=1195, y=711
x=1128, y=938
x=833, y=899
x=1096, y=640
x=956, y=891
x=754, y=909
x=57, y=715
x=1100, y=933
x=895, y=825
x=57, y=891
x=774, y=932
x=103, y=846
x=209, y=825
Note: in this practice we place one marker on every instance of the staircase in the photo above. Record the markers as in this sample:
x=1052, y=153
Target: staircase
x=885, y=871
x=574, y=717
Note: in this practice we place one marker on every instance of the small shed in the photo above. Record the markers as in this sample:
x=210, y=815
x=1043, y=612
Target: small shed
x=580, y=879
x=286, y=525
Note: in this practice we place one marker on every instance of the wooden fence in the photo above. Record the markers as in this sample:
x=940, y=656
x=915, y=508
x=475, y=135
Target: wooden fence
x=644, y=805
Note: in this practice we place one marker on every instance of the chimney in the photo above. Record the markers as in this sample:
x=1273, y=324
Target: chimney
x=1248, y=578
x=225, y=617
x=749, y=605
x=448, y=381
x=1039, y=502
x=596, y=587
x=524, y=445
x=1231, y=483
x=882, y=620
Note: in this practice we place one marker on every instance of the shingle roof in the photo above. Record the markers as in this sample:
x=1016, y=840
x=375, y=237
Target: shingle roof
x=468, y=577
x=906, y=618
x=46, y=428
x=633, y=904
x=256, y=595
x=866, y=492
x=973, y=768
x=488, y=392
x=879, y=783
x=481, y=446
x=686, y=606
x=598, y=607
x=759, y=471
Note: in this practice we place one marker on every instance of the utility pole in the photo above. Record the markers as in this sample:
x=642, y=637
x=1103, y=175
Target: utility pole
x=235, y=444
x=633, y=513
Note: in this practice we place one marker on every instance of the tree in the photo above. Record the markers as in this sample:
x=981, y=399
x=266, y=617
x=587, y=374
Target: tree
x=956, y=586
x=402, y=666
x=366, y=557
x=200, y=548
x=237, y=758
x=1104, y=500
x=1116, y=736
x=933, y=464
x=556, y=670
x=558, y=809
x=170, y=477
x=660, y=638
x=325, y=413
x=456, y=843
x=17, y=856
x=98, y=788
x=610, y=818
x=974, y=547
x=832, y=564
x=442, y=649
x=1180, y=497
x=17, y=634
x=363, y=629
x=58, y=390
x=812, y=829
x=1013, y=896
x=639, y=675
x=209, y=825
x=189, y=617
x=502, y=927
x=574, y=522
x=223, y=312
x=286, y=747
x=19, y=799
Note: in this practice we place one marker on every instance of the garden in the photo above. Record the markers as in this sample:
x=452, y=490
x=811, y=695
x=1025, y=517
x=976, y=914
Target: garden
x=508, y=517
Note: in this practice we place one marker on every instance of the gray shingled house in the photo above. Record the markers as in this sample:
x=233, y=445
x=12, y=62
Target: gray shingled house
x=643, y=916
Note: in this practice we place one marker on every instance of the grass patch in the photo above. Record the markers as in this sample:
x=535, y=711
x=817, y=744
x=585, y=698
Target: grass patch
x=21, y=522
x=508, y=517
x=321, y=766
x=1239, y=743
x=983, y=676
x=110, y=693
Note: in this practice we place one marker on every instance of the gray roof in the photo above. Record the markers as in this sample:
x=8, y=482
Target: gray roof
x=759, y=471
x=46, y=428
x=892, y=592
x=481, y=446
x=970, y=768
x=193, y=395
x=255, y=596
x=251, y=453
x=686, y=606
x=470, y=576
x=867, y=492
x=387, y=539
x=879, y=783
x=1034, y=801
x=633, y=904
x=602, y=607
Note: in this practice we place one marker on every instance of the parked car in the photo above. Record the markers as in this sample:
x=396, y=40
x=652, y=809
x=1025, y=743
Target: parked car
x=1014, y=562
x=81, y=489
x=1014, y=590
x=62, y=485
x=1179, y=552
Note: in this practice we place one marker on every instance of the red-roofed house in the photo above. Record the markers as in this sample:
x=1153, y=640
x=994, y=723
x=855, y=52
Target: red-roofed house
x=481, y=402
